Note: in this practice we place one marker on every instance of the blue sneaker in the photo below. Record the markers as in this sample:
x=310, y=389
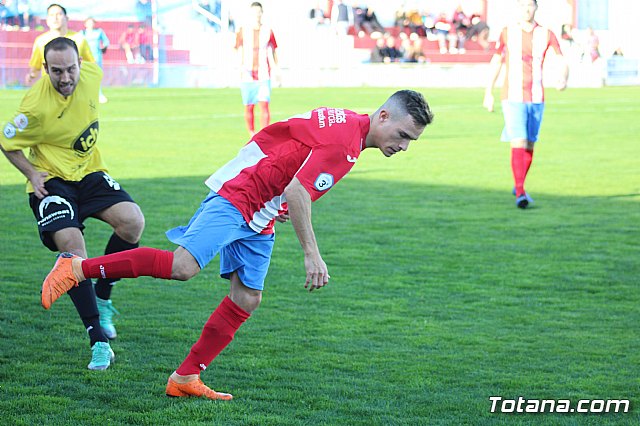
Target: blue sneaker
x=102, y=356
x=523, y=201
x=106, y=311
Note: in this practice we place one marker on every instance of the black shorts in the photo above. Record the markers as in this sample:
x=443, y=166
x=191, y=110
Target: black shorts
x=70, y=203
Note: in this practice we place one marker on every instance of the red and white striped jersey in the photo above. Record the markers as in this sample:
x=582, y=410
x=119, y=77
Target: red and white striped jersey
x=255, y=44
x=318, y=147
x=523, y=53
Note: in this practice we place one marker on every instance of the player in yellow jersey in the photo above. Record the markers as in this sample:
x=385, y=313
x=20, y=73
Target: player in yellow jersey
x=67, y=180
x=57, y=22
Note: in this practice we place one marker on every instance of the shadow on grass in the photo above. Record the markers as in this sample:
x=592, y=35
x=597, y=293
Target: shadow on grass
x=440, y=296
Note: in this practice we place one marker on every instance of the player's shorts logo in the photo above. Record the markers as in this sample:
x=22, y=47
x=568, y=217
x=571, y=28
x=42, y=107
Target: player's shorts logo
x=112, y=183
x=58, y=214
x=323, y=182
x=9, y=131
x=53, y=199
x=21, y=121
x=87, y=139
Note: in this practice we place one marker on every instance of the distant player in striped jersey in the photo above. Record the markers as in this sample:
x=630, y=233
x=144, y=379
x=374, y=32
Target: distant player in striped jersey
x=522, y=48
x=275, y=177
x=256, y=45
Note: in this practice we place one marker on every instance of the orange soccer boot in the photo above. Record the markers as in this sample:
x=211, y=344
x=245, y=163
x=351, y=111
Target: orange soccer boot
x=60, y=280
x=194, y=388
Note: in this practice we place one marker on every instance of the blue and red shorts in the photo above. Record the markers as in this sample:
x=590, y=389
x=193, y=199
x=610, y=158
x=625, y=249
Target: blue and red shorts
x=218, y=227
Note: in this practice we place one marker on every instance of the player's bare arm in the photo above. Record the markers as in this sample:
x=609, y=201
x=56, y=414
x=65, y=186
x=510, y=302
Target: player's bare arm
x=240, y=57
x=495, y=66
x=32, y=76
x=277, y=74
x=37, y=179
x=299, y=202
x=564, y=73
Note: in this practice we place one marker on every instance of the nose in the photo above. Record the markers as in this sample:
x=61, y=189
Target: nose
x=65, y=77
x=404, y=145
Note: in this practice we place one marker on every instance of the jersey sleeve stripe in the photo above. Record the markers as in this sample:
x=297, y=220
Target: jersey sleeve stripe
x=249, y=156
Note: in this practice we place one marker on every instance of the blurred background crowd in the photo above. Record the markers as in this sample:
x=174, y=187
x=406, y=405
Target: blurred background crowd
x=190, y=42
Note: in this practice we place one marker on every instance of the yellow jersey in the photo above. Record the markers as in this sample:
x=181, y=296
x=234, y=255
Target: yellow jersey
x=37, y=55
x=61, y=134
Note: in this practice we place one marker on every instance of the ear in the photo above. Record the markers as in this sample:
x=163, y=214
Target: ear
x=383, y=115
x=46, y=67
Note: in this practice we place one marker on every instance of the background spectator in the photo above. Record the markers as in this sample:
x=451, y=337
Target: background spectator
x=401, y=16
x=129, y=42
x=570, y=43
x=429, y=22
x=376, y=52
x=366, y=22
x=412, y=49
x=413, y=23
x=443, y=30
x=3, y=15
x=461, y=23
x=9, y=15
x=390, y=53
x=479, y=31
x=593, y=45
x=24, y=15
x=145, y=41
x=97, y=39
x=316, y=15
x=341, y=18
x=98, y=43
x=567, y=33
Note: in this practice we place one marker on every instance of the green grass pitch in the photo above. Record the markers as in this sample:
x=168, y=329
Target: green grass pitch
x=442, y=292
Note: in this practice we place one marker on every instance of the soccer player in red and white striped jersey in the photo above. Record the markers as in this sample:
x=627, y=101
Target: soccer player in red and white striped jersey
x=522, y=48
x=256, y=45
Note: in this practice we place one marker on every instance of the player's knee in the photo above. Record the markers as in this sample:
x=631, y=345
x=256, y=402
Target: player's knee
x=137, y=225
x=248, y=300
x=184, y=265
x=69, y=240
x=518, y=143
x=131, y=229
x=254, y=297
x=183, y=272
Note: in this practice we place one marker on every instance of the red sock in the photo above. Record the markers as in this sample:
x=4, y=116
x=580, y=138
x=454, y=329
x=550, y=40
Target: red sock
x=528, y=158
x=130, y=264
x=249, y=117
x=518, y=168
x=217, y=333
